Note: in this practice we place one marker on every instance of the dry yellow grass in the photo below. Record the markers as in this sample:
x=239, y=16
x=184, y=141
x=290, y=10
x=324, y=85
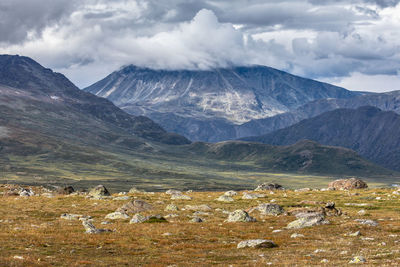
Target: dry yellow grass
x=32, y=233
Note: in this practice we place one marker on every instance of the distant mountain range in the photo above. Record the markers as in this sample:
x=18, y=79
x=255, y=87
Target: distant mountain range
x=52, y=132
x=373, y=133
x=211, y=105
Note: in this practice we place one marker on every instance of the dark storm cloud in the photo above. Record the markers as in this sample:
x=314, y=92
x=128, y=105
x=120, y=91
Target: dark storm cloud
x=86, y=39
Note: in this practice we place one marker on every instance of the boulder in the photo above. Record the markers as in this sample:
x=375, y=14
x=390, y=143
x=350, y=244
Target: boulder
x=171, y=207
x=269, y=187
x=307, y=220
x=256, y=243
x=269, y=209
x=357, y=259
x=348, y=184
x=230, y=193
x=138, y=218
x=252, y=195
x=91, y=229
x=135, y=206
x=134, y=190
x=26, y=193
x=117, y=216
x=99, y=191
x=67, y=190
x=70, y=216
x=240, y=216
x=224, y=198
x=367, y=222
x=180, y=197
x=196, y=220
x=173, y=192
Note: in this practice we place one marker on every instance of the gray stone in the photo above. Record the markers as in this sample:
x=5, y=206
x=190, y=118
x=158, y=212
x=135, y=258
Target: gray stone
x=26, y=193
x=268, y=187
x=256, y=243
x=240, y=216
x=269, y=209
x=173, y=192
x=137, y=218
x=122, y=198
x=117, y=216
x=358, y=259
x=224, y=198
x=70, y=216
x=307, y=221
x=367, y=222
x=91, y=229
x=135, y=206
x=230, y=193
x=134, y=190
x=171, y=207
x=196, y=220
x=99, y=191
x=180, y=197
x=296, y=235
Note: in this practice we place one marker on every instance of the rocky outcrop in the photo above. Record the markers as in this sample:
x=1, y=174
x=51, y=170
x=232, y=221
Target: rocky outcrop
x=348, y=184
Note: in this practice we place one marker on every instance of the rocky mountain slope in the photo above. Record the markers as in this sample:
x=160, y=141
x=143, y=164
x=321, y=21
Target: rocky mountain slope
x=373, y=133
x=208, y=105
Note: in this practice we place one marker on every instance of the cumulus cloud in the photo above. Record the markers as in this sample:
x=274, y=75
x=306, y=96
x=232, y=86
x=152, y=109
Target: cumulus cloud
x=86, y=40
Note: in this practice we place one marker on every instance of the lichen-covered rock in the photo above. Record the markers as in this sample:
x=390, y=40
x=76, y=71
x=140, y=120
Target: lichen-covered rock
x=240, y=216
x=137, y=218
x=252, y=195
x=196, y=220
x=173, y=192
x=224, y=198
x=70, y=216
x=202, y=207
x=269, y=209
x=171, y=207
x=257, y=243
x=357, y=259
x=122, y=198
x=91, y=229
x=26, y=192
x=268, y=187
x=180, y=197
x=135, y=206
x=367, y=222
x=230, y=193
x=348, y=184
x=117, y=216
x=67, y=190
x=99, y=191
x=307, y=220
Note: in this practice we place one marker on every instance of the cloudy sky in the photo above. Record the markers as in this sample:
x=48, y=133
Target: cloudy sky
x=353, y=43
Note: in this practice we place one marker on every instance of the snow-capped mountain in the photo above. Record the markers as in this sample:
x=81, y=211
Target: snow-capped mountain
x=208, y=105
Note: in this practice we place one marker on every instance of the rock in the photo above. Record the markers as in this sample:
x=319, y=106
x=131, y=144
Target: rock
x=358, y=233
x=348, y=184
x=69, y=216
x=224, y=198
x=397, y=192
x=361, y=212
x=180, y=196
x=99, y=191
x=117, y=216
x=173, y=192
x=171, y=216
x=307, y=220
x=270, y=186
x=367, y=222
x=256, y=243
x=134, y=190
x=196, y=220
x=171, y=207
x=122, y=198
x=240, y=216
x=202, y=207
x=26, y=193
x=138, y=218
x=135, y=206
x=358, y=204
x=358, y=259
x=200, y=213
x=324, y=261
x=252, y=195
x=91, y=229
x=67, y=190
x=295, y=235
x=269, y=209
x=230, y=193
x=303, y=190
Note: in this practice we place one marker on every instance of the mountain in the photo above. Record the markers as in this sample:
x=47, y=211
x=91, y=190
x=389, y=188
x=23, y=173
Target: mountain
x=389, y=101
x=53, y=133
x=209, y=105
x=373, y=133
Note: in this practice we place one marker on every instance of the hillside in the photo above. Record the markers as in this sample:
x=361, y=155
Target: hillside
x=373, y=133
x=208, y=105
